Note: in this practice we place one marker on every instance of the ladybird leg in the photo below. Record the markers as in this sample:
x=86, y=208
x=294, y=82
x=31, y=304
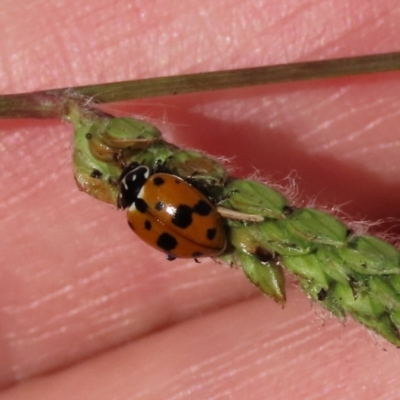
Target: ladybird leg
x=198, y=262
x=169, y=257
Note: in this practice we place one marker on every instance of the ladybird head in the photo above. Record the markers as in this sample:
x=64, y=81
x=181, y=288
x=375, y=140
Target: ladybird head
x=132, y=179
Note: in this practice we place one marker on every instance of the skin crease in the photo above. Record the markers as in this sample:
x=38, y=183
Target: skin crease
x=89, y=312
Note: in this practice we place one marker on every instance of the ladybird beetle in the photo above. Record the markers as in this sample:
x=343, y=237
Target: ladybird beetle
x=169, y=214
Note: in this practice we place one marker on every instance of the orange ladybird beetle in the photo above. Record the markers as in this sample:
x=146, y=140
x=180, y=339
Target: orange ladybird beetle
x=169, y=214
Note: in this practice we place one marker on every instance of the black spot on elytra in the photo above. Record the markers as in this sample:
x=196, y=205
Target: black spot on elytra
x=147, y=225
x=202, y=208
x=131, y=226
x=141, y=205
x=159, y=206
x=166, y=242
x=158, y=181
x=211, y=233
x=177, y=181
x=183, y=216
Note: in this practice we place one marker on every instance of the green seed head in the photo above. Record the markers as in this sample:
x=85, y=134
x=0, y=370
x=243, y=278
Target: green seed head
x=345, y=273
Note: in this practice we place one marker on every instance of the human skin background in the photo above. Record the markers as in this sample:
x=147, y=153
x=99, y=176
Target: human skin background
x=87, y=311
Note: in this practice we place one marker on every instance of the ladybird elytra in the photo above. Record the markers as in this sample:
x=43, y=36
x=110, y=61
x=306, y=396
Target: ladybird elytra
x=171, y=215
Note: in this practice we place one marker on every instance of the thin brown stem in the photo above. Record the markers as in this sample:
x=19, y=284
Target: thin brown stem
x=48, y=104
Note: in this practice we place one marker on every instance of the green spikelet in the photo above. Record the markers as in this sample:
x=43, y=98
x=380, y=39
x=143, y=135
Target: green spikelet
x=345, y=273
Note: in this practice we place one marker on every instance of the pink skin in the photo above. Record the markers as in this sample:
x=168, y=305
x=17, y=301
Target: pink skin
x=82, y=297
